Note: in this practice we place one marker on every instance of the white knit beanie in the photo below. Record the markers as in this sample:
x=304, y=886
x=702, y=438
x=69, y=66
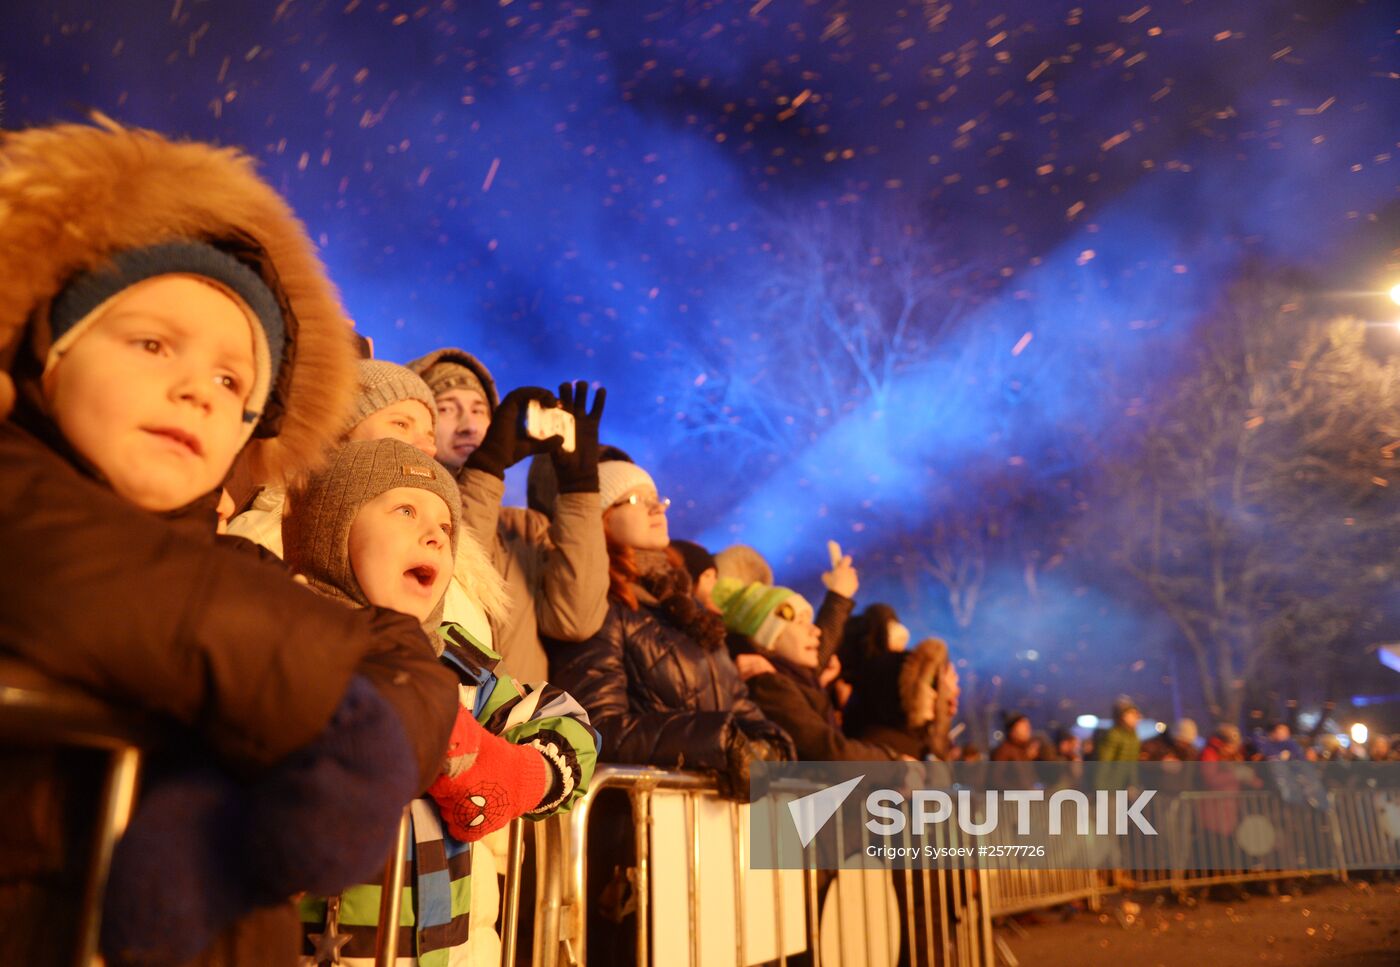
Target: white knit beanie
x=616, y=477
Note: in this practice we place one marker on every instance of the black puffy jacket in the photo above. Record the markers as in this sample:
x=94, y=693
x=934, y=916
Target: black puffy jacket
x=656, y=695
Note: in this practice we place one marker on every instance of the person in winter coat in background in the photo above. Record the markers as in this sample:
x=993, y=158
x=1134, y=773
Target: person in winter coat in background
x=1120, y=746
x=1222, y=771
x=871, y=655
x=922, y=690
x=656, y=680
x=377, y=527
x=555, y=570
x=161, y=314
x=1278, y=745
x=658, y=685
x=1019, y=747
x=1178, y=745
x=1016, y=747
x=393, y=403
x=772, y=627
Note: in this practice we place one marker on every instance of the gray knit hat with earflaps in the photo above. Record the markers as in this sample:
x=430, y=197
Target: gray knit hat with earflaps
x=316, y=530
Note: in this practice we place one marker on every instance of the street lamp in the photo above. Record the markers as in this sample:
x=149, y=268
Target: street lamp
x=1358, y=733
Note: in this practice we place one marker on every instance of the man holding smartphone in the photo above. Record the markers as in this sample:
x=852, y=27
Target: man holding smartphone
x=556, y=572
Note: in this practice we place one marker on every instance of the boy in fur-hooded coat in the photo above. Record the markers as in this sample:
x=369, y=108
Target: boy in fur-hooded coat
x=242, y=669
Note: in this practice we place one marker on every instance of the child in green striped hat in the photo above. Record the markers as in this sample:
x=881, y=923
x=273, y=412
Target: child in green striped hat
x=775, y=619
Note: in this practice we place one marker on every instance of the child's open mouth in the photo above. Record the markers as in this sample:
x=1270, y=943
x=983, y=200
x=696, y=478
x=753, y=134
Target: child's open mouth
x=179, y=437
x=424, y=575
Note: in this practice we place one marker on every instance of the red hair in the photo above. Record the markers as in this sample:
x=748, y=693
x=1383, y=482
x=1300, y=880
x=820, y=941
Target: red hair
x=623, y=572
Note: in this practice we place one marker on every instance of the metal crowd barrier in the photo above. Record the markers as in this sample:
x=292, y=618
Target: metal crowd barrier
x=929, y=918
x=1355, y=829
x=37, y=712
x=386, y=942
x=1216, y=822
x=1367, y=825
x=1070, y=877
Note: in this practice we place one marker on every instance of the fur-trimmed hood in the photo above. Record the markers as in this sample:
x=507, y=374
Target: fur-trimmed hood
x=73, y=195
x=920, y=670
x=462, y=358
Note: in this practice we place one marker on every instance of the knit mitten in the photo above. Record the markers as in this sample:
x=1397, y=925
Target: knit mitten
x=205, y=849
x=324, y=818
x=506, y=442
x=487, y=782
x=577, y=471
x=178, y=877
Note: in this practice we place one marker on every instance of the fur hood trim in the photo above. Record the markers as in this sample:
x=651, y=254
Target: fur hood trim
x=462, y=358
x=920, y=670
x=72, y=195
x=480, y=579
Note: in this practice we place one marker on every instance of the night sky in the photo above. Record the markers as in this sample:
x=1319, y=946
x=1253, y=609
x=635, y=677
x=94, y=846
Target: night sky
x=695, y=205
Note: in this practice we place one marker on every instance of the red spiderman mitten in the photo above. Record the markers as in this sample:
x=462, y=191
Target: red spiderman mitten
x=486, y=781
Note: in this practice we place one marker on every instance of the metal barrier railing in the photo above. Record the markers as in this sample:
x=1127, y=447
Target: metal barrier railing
x=922, y=917
x=1247, y=836
x=1367, y=828
x=848, y=917
x=1069, y=876
x=37, y=712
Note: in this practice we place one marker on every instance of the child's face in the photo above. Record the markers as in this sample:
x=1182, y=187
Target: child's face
x=406, y=420
x=462, y=421
x=401, y=550
x=799, y=642
x=153, y=394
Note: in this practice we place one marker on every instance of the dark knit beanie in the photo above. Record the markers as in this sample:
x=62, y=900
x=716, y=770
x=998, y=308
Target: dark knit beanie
x=697, y=559
x=383, y=383
x=316, y=530
x=87, y=291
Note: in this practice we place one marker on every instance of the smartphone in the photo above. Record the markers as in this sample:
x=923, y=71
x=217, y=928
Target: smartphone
x=543, y=422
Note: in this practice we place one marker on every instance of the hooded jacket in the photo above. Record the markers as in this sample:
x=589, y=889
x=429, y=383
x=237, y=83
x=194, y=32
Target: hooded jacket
x=153, y=612
x=556, y=571
x=918, y=725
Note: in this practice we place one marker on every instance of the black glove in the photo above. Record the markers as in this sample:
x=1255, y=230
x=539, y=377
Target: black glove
x=578, y=471
x=505, y=444
x=743, y=751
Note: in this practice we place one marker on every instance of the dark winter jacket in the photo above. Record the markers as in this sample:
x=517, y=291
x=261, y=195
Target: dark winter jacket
x=897, y=703
x=160, y=615
x=656, y=695
x=804, y=711
x=832, y=616
x=1165, y=747
x=153, y=613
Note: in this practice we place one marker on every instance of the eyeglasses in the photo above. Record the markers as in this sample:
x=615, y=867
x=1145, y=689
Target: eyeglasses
x=632, y=500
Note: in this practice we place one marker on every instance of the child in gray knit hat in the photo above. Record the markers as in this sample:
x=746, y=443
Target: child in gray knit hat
x=391, y=401
x=378, y=528
x=394, y=403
